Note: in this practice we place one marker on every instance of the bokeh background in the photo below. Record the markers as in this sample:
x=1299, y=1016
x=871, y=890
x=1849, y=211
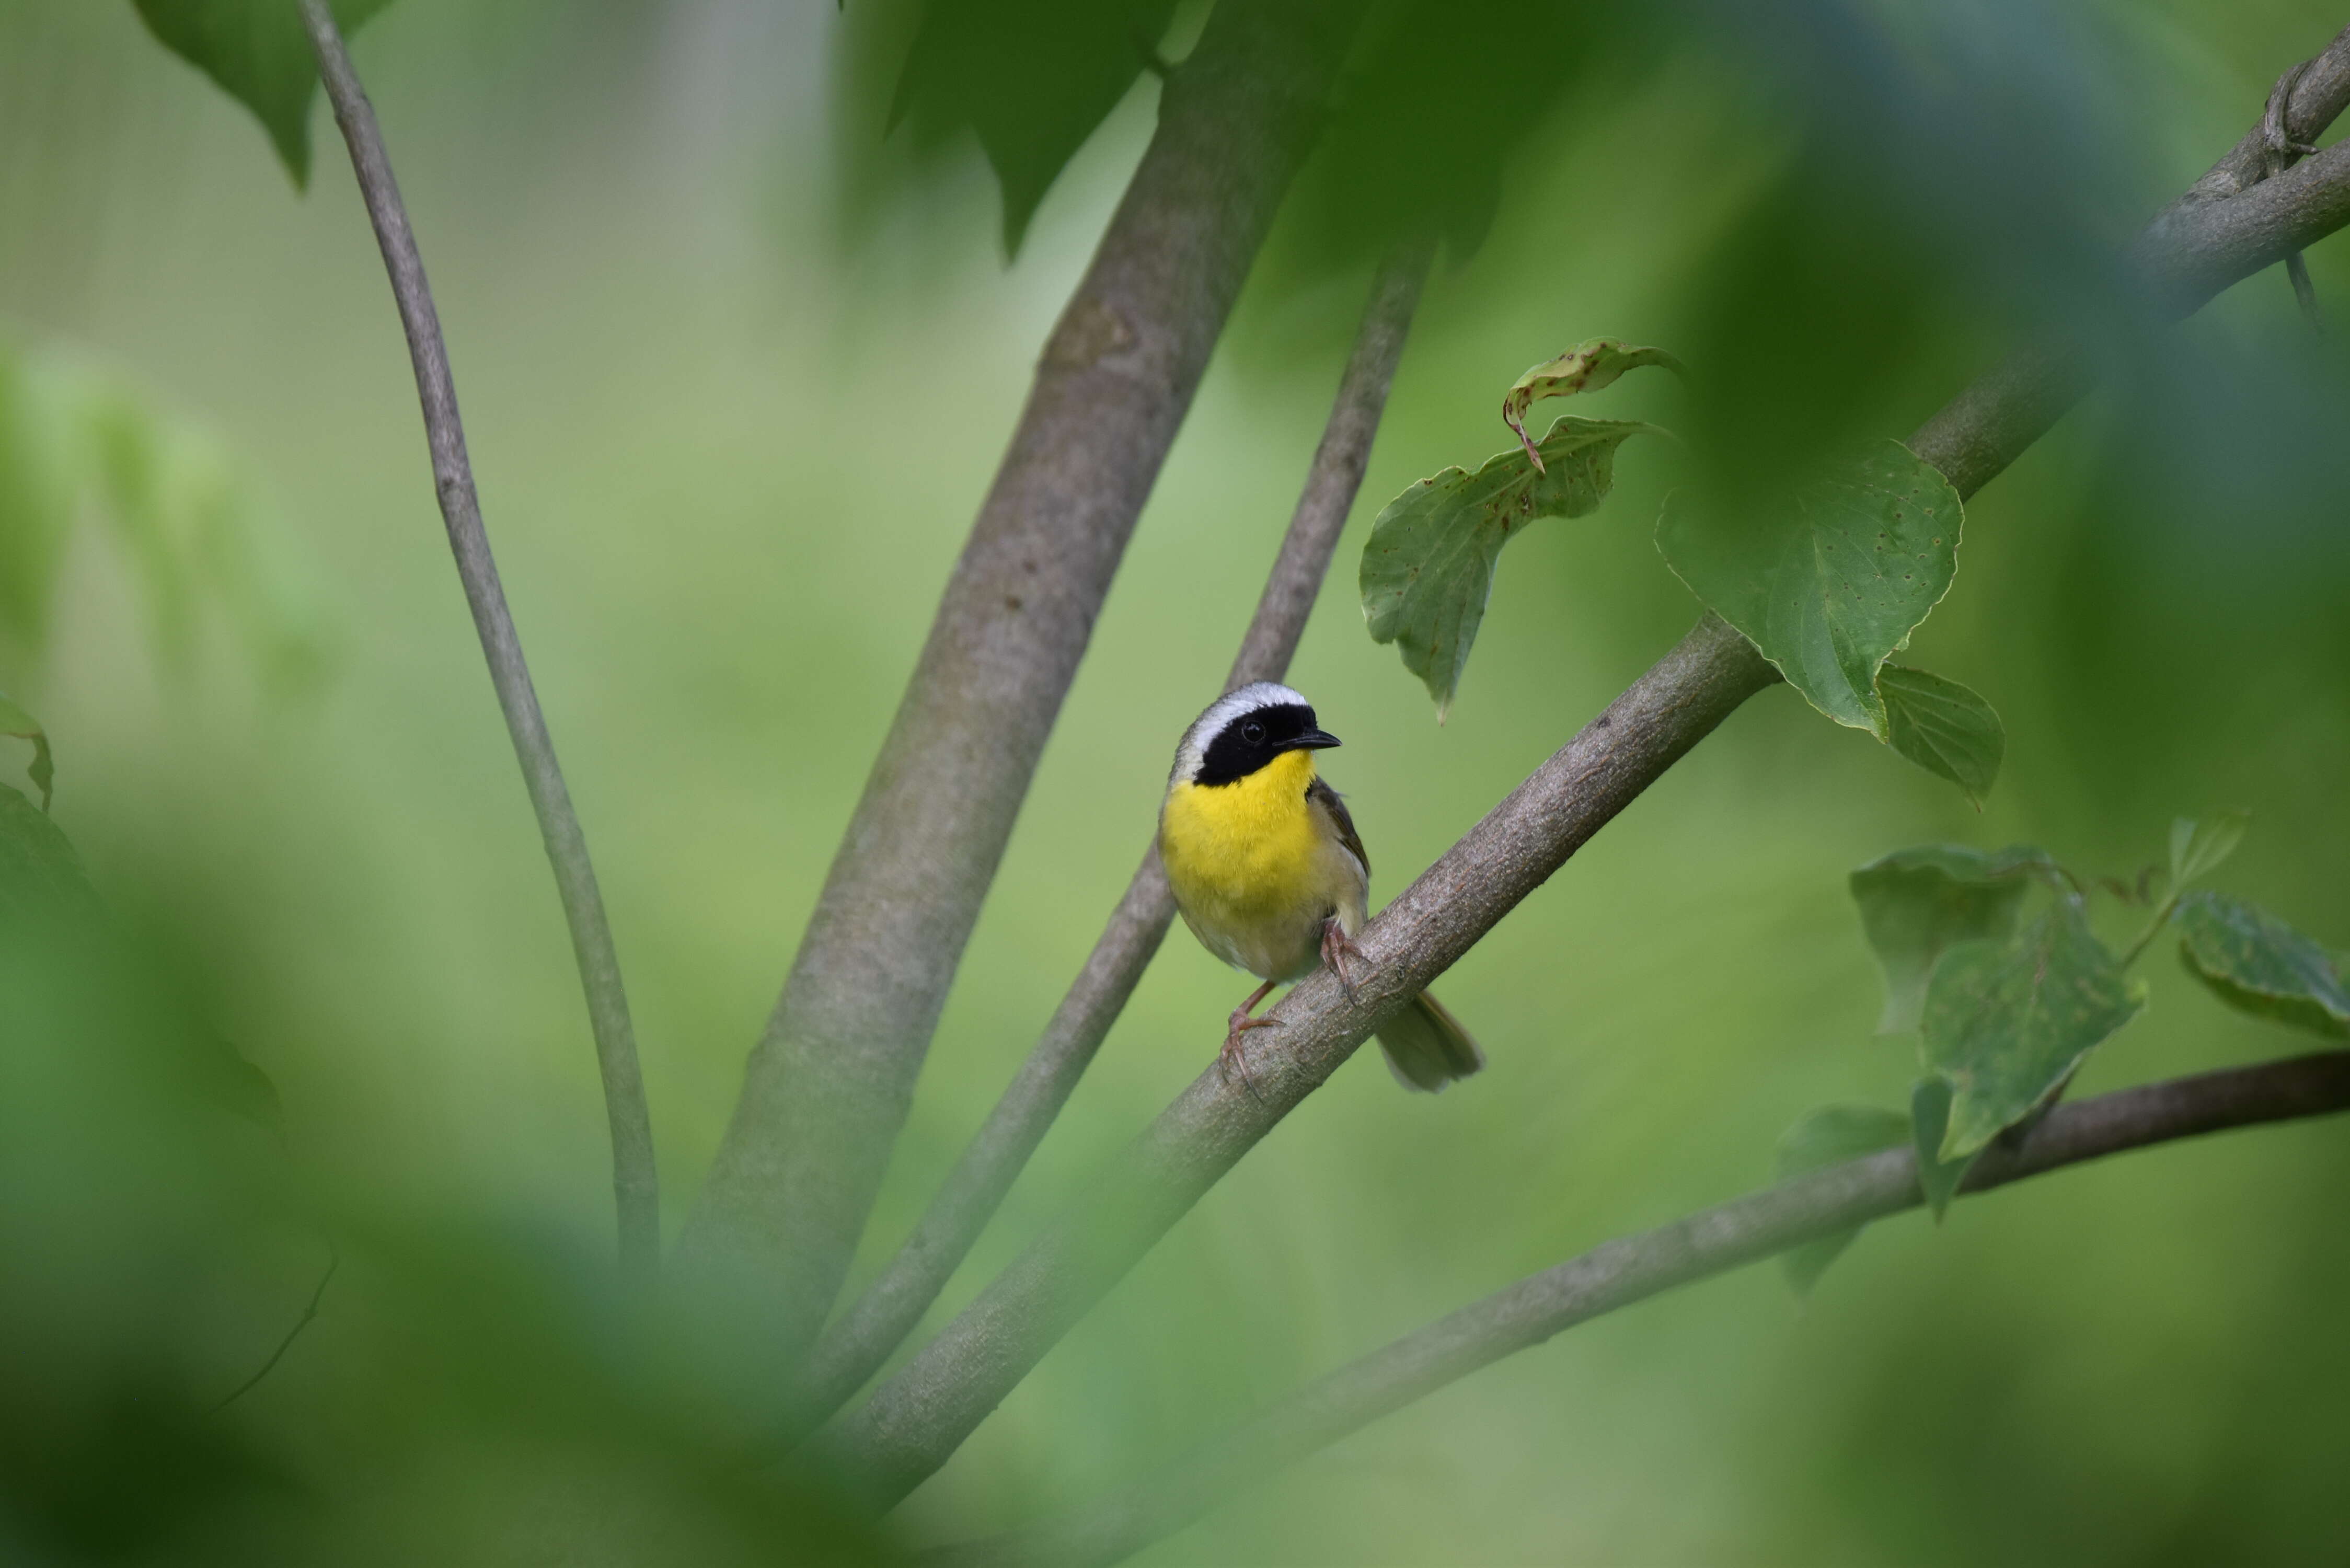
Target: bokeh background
x=737, y=368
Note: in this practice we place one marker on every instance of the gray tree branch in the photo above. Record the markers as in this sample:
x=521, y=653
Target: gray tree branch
x=853, y=1348
x=635, y=1183
x=917, y=1417
x=1631, y=1269
x=828, y=1087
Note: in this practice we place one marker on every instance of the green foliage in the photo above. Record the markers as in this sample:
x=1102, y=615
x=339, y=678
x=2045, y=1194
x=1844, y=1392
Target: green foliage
x=259, y=53
x=185, y=513
x=1831, y=582
x=1916, y=904
x=2197, y=848
x=40, y=875
x=1831, y=1136
x=1428, y=568
x=15, y=721
x=1588, y=367
x=1032, y=78
x=2006, y=1022
x=2257, y=964
x=1930, y=1124
x=1942, y=727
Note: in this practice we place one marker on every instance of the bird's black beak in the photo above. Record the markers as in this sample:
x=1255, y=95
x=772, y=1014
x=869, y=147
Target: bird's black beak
x=1314, y=741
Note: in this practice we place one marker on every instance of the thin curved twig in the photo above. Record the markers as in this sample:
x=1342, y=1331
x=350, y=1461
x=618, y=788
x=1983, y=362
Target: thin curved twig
x=921, y=1414
x=635, y=1183
x=1631, y=1269
x=887, y=1309
x=334, y=1261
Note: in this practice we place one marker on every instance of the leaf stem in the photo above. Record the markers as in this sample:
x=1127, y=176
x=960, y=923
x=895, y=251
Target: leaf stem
x=635, y=1183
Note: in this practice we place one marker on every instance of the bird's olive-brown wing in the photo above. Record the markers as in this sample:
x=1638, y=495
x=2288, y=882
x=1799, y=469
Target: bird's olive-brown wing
x=1322, y=795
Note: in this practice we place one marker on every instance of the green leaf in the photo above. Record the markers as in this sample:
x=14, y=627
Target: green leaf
x=40, y=875
x=1032, y=78
x=1943, y=728
x=2196, y=848
x=1830, y=1135
x=1830, y=582
x=1930, y=1122
x=2007, y=1022
x=43, y=771
x=1428, y=568
x=1586, y=367
x=2257, y=964
x=1915, y=904
x=259, y=53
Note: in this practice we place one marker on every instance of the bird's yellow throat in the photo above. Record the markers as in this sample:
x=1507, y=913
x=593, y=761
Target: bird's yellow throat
x=1253, y=836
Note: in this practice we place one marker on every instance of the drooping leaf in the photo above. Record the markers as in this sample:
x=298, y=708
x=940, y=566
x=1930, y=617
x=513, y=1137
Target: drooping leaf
x=2197, y=847
x=1428, y=568
x=43, y=771
x=1032, y=78
x=1827, y=582
x=2007, y=1022
x=1586, y=367
x=1831, y=1136
x=2257, y=964
x=1915, y=904
x=1930, y=1122
x=1943, y=728
x=259, y=53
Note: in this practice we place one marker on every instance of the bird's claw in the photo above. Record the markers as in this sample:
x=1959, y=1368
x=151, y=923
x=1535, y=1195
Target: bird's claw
x=1339, y=950
x=1230, y=1055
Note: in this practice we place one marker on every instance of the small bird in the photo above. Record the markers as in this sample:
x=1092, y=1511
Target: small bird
x=1271, y=875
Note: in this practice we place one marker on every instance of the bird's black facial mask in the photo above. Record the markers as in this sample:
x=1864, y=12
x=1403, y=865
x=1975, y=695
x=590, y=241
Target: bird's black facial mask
x=1250, y=740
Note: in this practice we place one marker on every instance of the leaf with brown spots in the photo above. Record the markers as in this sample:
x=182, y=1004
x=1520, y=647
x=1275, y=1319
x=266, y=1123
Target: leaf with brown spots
x=1586, y=367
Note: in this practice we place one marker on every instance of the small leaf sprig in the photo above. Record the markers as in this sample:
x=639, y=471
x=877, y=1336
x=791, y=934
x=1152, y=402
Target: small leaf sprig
x=2005, y=1012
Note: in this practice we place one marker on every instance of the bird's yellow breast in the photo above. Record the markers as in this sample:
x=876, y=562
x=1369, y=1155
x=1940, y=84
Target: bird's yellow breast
x=1255, y=868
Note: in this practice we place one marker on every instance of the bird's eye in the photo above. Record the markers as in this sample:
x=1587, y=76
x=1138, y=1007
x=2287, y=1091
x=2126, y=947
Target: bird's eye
x=1253, y=732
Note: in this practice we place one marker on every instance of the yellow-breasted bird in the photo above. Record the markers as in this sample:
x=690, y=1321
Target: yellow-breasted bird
x=1271, y=875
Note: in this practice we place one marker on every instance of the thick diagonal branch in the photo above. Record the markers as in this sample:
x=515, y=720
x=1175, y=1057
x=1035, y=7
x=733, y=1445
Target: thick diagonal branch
x=1631, y=1269
x=880, y=1319
x=922, y=1413
x=635, y=1183
x=829, y=1085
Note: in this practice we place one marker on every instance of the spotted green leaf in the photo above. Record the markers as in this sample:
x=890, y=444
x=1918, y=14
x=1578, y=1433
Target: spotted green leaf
x=1427, y=568
x=2007, y=1022
x=259, y=53
x=1915, y=904
x=2257, y=964
x=43, y=771
x=1929, y=1123
x=2196, y=848
x=1584, y=369
x=1943, y=728
x=1831, y=582
x=1830, y=1135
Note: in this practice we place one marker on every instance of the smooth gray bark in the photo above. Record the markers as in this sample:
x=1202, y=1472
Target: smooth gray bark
x=1631, y=1269
x=854, y=1348
x=829, y=1085
x=635, y=1183
x=917, y=1417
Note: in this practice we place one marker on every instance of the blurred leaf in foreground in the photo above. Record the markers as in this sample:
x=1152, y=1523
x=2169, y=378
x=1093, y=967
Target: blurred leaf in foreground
x=1830, y=582
x=1428, y=568
x=2257, y=964
x=1033, y=78
x=1830, y=1135
x=15, y=721
x=1943, y=728
x=259, y=53
x=1586, y=367
x=2197, y=848
x=2007, y=1022
x=1917, y=903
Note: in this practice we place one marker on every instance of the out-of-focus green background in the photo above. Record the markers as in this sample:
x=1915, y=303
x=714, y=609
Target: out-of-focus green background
x=731, y=416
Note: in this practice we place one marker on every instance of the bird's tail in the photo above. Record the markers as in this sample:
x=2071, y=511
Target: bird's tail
x=1426, y=1046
